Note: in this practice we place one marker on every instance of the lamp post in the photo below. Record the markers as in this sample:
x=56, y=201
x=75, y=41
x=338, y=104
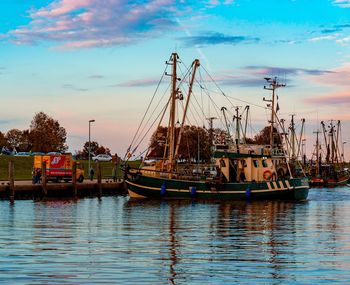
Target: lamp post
x=90, y=121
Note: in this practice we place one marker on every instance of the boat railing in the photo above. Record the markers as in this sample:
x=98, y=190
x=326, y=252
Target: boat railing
x=188, y=175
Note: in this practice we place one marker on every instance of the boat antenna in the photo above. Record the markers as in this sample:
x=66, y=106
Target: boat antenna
x=211, y=134
x=273, y=85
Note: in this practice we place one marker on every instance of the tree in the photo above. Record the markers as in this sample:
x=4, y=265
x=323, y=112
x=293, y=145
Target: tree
x=25, y=143
x=46, y=134
x=194, y=141
x=14, y=138
x=3, y=140
x=95, y=149
x=264, y=136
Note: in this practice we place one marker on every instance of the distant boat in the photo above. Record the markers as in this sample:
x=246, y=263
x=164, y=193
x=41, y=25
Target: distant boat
x=236, y=170
x=331, y=171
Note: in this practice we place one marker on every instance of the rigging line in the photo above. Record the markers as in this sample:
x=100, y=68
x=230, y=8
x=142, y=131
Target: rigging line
x=149, y=105
x=247, y=102
x=161, y=119
x=191, y=112
x=201, y=89
x=165, y=107
x=149, y=119
x=217, y=86
x=216, y=109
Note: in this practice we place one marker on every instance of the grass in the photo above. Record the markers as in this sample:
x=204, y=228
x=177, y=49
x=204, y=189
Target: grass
x=24, y=167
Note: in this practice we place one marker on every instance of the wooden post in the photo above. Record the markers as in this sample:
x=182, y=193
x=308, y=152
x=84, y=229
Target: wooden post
x=12, y=180
x=43, y=177
x=99, y=179
x=74, y=179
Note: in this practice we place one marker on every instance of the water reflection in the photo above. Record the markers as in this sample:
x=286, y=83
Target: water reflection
x=237, y=232
x=114, y=240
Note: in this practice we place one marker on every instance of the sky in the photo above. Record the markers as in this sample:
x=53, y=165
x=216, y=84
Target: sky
x=78, y=60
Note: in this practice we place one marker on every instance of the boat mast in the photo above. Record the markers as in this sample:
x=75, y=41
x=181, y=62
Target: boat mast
x=273, y=85
x=195, y=65
x=174, y=58
x=317, y=153
x=237, y=117
x=293, y=137
x=223, y=109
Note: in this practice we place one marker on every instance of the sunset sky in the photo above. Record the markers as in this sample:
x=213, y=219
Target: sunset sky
x=78, y=60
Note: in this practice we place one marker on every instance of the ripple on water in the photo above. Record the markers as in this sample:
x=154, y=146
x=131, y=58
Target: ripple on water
x=115, y=240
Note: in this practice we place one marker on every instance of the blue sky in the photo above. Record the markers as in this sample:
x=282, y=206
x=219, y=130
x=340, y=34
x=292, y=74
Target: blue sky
x=91, y=59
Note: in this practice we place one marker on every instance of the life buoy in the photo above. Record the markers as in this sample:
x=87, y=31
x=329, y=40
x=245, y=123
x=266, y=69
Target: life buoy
x=267, y=174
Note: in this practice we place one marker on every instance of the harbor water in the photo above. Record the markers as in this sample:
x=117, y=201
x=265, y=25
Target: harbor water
x=117, y=241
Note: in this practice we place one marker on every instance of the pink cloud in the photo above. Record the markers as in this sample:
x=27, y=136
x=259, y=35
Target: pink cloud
x=337, y=77
x=89, y=23
x=139, y=83
x=342, y=98
x=61, y=7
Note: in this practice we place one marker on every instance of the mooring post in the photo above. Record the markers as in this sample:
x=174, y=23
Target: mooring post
x=99, y=179
x=12, y=180
x=44, y=178
x=74, y=179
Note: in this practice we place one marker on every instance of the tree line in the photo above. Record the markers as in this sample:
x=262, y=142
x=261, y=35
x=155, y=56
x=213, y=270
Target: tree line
x=196, y=142
x=45, y=134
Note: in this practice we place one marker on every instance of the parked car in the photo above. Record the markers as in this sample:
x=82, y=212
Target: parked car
x=22, y=153
x=102, y=157
x=38, y=153
x=5, y=151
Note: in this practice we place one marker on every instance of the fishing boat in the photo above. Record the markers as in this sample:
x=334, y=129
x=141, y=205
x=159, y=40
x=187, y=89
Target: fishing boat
x=331, y=171
x=234, y=171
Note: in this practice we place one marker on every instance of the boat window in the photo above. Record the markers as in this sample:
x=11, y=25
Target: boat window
x=244, y=163
x=222, y=163
x=264, y=163
x=256, y=163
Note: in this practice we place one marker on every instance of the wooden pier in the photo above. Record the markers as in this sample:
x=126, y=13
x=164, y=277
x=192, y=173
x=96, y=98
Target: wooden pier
x=13, y=190
x=27, y=190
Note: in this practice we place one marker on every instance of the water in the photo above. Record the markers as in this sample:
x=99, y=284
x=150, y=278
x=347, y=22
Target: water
x=115, y=241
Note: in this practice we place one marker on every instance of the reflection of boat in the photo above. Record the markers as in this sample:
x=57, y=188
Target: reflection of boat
x=241, y=172
x=331, y=171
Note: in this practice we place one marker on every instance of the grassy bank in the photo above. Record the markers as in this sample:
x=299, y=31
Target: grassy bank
x=24, y=166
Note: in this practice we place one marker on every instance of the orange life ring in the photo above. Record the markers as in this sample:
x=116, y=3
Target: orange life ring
x=267, y=174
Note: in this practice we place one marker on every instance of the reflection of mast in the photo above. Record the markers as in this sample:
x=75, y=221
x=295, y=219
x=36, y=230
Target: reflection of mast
x=172, y=245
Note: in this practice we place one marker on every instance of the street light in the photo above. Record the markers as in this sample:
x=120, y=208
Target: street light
x=90, y=121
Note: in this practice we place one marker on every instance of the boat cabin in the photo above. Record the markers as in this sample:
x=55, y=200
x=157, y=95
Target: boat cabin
x=241, y=167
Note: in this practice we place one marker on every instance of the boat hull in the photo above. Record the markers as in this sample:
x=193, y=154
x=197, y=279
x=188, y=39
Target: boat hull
x=329, y=182
x=158, y=188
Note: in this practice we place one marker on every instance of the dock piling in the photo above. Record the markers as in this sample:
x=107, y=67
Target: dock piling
x=99, y=179
x=44, y=178
x=74, y=179
x=12, y=180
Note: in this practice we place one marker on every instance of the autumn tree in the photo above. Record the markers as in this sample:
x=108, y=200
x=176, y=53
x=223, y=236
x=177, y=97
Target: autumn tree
x=25, y=143
x=194, y=142
x=13, y=138
x=263, y=137
x=95, y=149
x=46, y=134
x=3, y=140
